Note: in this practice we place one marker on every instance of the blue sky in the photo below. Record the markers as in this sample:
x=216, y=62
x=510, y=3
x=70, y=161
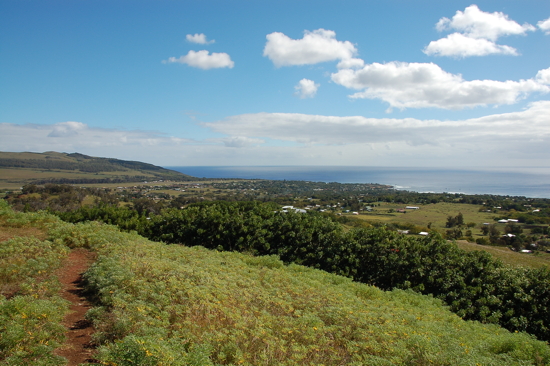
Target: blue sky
x=369, y=83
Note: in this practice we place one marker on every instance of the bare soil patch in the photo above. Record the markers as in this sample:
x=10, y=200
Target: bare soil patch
x=78, y=348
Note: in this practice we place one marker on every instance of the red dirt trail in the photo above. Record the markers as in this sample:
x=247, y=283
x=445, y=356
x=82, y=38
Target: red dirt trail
x=78, y=348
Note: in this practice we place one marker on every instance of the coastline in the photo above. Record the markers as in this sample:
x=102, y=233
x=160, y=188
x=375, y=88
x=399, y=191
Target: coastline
x=422, y=180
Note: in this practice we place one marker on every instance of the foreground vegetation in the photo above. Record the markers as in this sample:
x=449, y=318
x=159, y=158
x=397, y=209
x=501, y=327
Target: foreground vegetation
x=161, y=304
x=473, y=284
x=229, y=308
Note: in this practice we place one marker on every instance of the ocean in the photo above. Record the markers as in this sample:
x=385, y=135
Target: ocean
x=534, y=184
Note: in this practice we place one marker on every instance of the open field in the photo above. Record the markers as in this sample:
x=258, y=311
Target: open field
x=15, y=177
x=435, y=213
x=188, y=184
x=508, y=256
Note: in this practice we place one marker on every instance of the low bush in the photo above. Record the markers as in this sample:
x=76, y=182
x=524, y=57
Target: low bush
x=26, y=260
x=31, y=330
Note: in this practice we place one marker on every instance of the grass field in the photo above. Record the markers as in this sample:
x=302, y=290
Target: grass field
x=436, y=214
x=508, y=256
x=12, y=177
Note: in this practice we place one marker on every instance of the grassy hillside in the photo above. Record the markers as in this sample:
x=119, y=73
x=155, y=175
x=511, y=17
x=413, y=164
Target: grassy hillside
x=171, y=305
x=17, y=169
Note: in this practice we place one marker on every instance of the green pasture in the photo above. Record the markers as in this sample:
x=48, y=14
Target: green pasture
x=12, y=178
x=507, y=256
x=434, y=213
x=437, y=214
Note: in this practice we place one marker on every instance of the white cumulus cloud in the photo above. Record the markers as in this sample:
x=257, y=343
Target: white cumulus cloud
x=475, y=23
x=459, y=45
x=544, y=25
x=198, y=38
x=422, y=85
x=317, y=46
x=204, y=60
x=543, y=76
x=351, y=63
x=477, y=34
x=306, y=88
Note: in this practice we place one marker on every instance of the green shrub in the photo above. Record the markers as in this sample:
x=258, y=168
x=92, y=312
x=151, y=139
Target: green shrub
x=150, y=351
x=31, y=330
x=27, y=266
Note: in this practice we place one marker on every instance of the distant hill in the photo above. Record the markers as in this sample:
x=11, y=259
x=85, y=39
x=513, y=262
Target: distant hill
x=62, y=168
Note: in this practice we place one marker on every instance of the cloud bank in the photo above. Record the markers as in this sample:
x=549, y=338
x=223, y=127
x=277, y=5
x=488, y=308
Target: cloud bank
x=502, y=139
x=332, y=130
x=520, y=138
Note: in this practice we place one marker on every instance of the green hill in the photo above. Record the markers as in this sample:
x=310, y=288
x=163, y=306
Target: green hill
x=54, y=167
x=161, y=304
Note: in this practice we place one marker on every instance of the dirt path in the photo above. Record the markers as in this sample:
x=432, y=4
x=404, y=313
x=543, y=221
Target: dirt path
x=78, y=348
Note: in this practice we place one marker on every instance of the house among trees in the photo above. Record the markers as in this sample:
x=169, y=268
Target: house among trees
x=290, y=208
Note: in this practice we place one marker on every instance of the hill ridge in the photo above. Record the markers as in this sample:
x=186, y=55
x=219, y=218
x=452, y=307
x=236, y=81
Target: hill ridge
x=77, y=168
